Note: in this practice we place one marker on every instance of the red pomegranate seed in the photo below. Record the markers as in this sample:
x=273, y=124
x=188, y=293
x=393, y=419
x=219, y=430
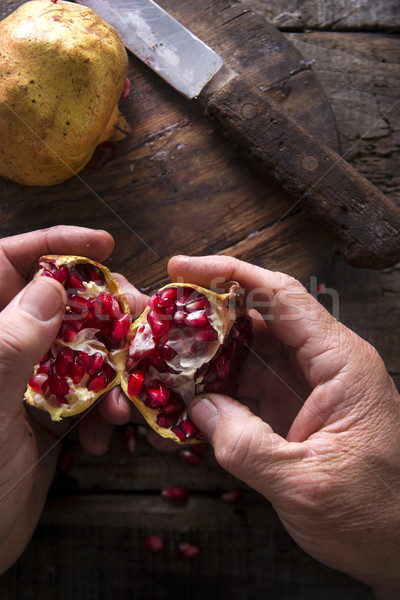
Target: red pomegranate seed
x=96, y=362
x=166, y=352
x=45, y=367
x=61, y=274
x=200, y=303
x=153, y=301
x=188, y=427
x=94, y=274
x=178, y=431
x=130, y=438
x=121, y=327
x=197, y=318
x=64, y=361
x=57, y=385
x=77, y=370
x=158, y=326
x=157, y=362
x=78, y=304
x=183, y=295
x=207, y=334
x=188, y=550
x=168, y=296
x=165, y=421
x=190, y=457
x=157, y=396
x=178, y=495
x=36, y=382
x=110, y=305
x=97, y=383
x=232, y=496
x=75, y=282
x=180, y=317
x=154, y=543
x=135, y=383
x=67, y=332
x=200, y=448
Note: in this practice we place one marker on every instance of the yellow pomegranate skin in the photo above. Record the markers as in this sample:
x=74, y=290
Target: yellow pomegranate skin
x=62, y=72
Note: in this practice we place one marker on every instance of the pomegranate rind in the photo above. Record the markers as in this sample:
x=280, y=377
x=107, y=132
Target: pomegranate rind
x=80, y=398
x=225, y=308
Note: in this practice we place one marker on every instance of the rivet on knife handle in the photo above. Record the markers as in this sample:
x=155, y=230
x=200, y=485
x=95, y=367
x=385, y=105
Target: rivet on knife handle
x=365, y=223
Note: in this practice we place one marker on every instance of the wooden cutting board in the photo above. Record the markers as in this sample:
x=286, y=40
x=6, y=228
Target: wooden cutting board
x=175, y=185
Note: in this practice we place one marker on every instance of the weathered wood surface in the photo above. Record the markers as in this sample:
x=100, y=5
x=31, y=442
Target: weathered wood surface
x=339, y=15
x=88, y=544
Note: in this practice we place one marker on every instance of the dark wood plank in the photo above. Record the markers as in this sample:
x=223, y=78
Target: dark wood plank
x=245, y=554
x=330, y=14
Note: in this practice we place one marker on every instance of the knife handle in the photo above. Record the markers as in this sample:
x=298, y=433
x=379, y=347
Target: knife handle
x=365, y=224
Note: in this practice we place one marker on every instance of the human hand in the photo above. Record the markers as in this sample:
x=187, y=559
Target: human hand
x=324, y=443
x=29, y=322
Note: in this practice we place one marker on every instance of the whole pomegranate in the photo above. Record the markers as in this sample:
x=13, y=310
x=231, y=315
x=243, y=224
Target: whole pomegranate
x=187, y=340
x=62, y=71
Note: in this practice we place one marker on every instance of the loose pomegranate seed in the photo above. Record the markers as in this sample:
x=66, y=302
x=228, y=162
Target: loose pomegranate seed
x=197, y=318
x=178, y=495
x=57, y=385
x=36, y=382
x=232, y=496
x=188, y=550
x=157, y=396
x=96, y=362
x=154, y=543
x=135, y=383
x=130, y=438
x=158, y=326
x=64, y=361
x=189, y=457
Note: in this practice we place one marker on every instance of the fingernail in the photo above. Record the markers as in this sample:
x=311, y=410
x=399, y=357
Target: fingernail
x=42, y=300
x=205, y=415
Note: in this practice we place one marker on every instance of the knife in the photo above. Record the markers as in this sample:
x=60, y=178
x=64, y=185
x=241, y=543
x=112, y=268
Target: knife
x=365, y=224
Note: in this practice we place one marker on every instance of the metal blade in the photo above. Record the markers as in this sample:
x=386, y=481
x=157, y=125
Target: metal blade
x=161, y=42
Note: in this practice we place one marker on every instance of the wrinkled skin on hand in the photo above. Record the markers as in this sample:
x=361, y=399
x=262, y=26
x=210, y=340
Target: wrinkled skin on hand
x=29, y=320
x=322, y=438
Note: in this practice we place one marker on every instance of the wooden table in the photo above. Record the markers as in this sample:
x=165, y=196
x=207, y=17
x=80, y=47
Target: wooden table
x=89, y=542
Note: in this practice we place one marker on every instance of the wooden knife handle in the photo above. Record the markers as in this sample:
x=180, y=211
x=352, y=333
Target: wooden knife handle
x=364, y=222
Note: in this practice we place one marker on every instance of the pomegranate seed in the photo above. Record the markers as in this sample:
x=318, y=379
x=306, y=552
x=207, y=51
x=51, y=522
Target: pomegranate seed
x=158, y=326
x=222, y=367
x=67, y=332
x=157, y=396
x=36, y=382
x=207, y=334
x=97, y=383
x=178, y=431
x=108, y=372
x=166, y=352
x=110, y=305
x=188, y=550
x=188, y=427
x=121, y=327
x=232, y=496
x=180, y=317
x=154, y=543
x=197, y=318
x=45, y=367
x=183, y=296
x=83, y=358
x=200, y=448
x=64, y=361
x=135, y=383
x=61, y=274
x=178, y=495
x=96, y=362
x=77, y=370
x=200, y=303
x=157, y=362
x=94, y=274
x=61, y=400
x=75, y=282
x=153, y=301
x=78, y=304
x=57, y=385
x=168, y=296
x=190, y=457
x=175, y=405
x=130, y=439
x=165, y=421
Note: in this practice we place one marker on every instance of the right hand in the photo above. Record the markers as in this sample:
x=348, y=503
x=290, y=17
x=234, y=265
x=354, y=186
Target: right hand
x=325, y=446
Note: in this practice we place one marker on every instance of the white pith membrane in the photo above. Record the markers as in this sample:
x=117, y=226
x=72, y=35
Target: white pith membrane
x=183, y=352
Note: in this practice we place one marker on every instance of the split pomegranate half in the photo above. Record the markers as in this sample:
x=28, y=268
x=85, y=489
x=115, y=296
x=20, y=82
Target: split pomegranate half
x=187, y=341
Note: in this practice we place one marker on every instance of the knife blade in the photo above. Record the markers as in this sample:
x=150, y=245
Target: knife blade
x=364, y=222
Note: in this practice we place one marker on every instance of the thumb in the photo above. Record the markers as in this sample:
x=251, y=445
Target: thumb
x=244, y=444
x=28, y=326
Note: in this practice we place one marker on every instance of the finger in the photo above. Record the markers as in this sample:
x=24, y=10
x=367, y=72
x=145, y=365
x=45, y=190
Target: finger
x=28, y=326
x=95, y=432
x=19, y=253
x=245, y=445
x=136, y=300
x=115, y=407
x=161, y=443
x=323, y=346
